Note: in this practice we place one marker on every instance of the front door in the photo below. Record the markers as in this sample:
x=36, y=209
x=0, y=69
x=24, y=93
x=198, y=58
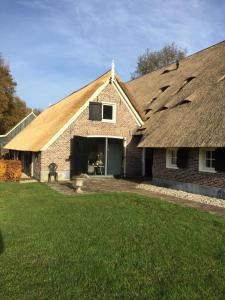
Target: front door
x=114, y=157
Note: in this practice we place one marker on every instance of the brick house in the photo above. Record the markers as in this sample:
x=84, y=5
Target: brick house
x=168, y=124
x=184, y=131
x=90, y=131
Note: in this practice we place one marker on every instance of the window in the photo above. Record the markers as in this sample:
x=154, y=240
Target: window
x=171, y=158
x=108, y=112
x=207, y=160
x=95, y=111
x=105, y=112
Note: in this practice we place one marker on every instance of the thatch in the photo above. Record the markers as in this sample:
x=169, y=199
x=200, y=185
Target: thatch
x=35, y=136
x=190, y=112
x=50, y=121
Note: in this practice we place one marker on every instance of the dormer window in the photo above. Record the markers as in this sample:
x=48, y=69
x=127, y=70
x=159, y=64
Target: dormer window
x=105, y=112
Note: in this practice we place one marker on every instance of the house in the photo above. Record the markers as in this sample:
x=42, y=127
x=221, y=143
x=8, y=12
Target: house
x=6, y=138
x=90, y=131
x=168, y=124
x=184, y=104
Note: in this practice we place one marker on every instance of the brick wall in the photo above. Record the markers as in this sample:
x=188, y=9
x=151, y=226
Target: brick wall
x=190, y=175
x=59, y=152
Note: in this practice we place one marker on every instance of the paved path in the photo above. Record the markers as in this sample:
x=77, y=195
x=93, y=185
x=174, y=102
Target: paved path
x=100, y=185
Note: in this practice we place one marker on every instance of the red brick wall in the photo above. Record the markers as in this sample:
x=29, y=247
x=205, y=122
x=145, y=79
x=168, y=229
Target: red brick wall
x=59, y=151
x=190, y=175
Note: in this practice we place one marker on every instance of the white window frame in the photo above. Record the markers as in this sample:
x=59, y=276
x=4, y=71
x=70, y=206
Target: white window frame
x=202, y=161
x=113, y=112
x=169, y=164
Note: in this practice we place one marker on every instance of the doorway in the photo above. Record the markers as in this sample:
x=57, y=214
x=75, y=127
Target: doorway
x=97, y=156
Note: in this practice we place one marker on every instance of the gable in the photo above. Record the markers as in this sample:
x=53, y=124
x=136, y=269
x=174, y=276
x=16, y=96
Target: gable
x=51, y=123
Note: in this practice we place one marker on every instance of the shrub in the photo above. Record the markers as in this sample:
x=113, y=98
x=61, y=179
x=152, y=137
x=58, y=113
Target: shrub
x=2, y=169
x=10, y=170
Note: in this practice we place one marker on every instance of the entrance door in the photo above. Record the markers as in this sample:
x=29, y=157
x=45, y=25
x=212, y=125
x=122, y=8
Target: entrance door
x=79, y=155
x=148, y=162
x=114, y=157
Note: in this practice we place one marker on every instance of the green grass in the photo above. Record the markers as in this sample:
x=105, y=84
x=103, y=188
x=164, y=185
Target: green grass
x=106, y=246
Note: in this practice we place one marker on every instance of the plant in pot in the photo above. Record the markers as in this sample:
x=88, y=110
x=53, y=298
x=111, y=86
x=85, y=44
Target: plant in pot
x=78, y=182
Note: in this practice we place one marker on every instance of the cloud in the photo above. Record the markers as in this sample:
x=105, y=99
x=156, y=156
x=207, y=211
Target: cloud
x=57, y=45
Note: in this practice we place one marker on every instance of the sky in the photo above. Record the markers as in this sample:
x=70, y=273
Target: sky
x=54, y=47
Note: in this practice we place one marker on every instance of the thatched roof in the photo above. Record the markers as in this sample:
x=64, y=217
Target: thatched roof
x=185, y=106
x=50, y=121
x=38, y=134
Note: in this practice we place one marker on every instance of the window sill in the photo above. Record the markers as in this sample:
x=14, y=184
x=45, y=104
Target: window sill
x=208, y=170
x=172, y=167
x=108, y=121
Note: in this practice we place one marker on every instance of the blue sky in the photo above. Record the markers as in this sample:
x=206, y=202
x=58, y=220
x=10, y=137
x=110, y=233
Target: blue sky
x=54, y=47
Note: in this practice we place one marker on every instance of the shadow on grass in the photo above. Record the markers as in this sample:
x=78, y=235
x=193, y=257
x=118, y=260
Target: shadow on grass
x=2, y=247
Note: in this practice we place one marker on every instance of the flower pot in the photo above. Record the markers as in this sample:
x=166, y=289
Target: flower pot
x=78, y=182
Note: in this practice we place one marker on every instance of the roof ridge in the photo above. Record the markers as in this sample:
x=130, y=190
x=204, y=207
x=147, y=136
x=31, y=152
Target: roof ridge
x=207, y=48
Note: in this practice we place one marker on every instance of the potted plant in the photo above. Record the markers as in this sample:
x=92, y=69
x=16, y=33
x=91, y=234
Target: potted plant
x=78, y=182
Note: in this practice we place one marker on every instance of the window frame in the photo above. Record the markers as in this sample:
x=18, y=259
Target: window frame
x=202, y=160
x=169, y=164
x=113, y=105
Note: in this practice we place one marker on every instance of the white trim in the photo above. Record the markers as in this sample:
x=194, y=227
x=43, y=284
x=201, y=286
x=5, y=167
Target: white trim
x=113, y=120
x=105, y=136
x=201, y=161
x=128, y=103
x=6, y=134
x=75, y=116
x=169, y=165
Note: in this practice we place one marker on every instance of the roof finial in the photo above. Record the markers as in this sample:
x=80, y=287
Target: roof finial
x=113, y=69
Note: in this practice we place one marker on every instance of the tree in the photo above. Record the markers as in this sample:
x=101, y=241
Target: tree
x=152, y=60
x=12, y=108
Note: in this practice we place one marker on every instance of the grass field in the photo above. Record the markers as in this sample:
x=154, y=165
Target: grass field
x=106, y=246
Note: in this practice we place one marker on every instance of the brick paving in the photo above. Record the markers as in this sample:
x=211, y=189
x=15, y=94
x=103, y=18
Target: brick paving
x=101, y=185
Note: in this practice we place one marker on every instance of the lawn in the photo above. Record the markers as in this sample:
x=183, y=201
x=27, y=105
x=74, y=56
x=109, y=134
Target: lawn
x=106, y=246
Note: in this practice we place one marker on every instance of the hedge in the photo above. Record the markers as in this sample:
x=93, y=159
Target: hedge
x=10, y=170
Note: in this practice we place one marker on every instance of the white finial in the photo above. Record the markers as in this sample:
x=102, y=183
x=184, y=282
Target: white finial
x=113, y=69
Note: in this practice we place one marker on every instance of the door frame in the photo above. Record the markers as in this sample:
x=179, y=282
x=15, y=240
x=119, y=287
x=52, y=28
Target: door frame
x=107, y=137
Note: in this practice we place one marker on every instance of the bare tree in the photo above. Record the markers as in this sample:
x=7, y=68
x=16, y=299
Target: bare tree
x=152, y=60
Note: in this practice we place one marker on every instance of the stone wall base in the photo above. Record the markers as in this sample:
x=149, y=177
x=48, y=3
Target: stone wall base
x=214, y=192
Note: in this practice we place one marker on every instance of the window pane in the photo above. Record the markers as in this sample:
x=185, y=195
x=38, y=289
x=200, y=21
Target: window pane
x=213, y=163
x=107, y=112
x=173, y=161
x=208, y=154
x=207, y=163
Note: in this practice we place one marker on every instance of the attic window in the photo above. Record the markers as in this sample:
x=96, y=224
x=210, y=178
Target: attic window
x=162, y=108
x=190, y=79
x=185, y=101
x=165, y=71
x=154, y=98
x=162, y=89
x=147, y=110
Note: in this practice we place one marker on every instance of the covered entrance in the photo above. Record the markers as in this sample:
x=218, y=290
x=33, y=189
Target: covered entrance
x=97, y=156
